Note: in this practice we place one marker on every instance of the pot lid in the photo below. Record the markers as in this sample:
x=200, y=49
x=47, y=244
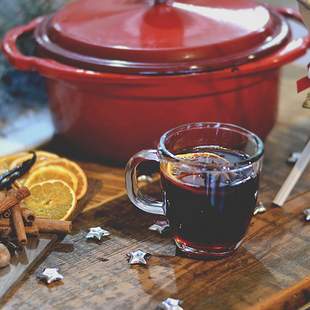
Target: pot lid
x=161, y=37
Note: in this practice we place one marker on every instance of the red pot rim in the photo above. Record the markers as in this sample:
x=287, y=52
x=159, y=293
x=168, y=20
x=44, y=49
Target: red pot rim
x=163, y=37
x=56, y=70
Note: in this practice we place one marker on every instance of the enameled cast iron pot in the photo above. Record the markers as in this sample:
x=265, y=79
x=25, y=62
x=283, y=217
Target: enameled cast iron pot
x=120, y=73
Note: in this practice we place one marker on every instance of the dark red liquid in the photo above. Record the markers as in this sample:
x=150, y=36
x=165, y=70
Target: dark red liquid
x=210, y=210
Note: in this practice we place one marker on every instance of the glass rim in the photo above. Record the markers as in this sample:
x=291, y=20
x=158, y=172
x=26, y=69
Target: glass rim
x=241, y=164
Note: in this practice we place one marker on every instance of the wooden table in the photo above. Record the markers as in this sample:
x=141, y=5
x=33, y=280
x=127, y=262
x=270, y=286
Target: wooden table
x=270, y=271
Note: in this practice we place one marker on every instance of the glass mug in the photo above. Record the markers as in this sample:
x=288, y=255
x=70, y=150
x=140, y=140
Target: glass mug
x=209, y=180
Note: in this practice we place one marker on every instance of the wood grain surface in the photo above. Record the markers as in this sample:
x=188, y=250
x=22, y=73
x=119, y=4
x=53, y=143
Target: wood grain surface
x=273, y=261
x=23, y=261
x=296, y=295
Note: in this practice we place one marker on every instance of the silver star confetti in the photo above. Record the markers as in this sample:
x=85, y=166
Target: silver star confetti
x=138, y=257
x=294, y=157
x=97, y=232
x=260, y=208
x=170, y=304
x=307, y=215
x=50, y=275
x=160, y=226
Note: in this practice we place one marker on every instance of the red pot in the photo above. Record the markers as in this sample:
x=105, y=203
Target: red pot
x=120, y=74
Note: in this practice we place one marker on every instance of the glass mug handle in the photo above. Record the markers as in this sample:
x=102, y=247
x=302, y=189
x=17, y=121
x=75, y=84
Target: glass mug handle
x=134, y=193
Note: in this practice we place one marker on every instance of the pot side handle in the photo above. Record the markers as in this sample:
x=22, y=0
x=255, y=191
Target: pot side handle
x=302, y=43
x=14, y=55
x=11, y=51
x=45, y=66
x=291, y=51
x=289, y=12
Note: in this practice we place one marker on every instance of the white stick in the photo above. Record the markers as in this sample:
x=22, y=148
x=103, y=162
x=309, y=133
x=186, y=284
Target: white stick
x=293, y=177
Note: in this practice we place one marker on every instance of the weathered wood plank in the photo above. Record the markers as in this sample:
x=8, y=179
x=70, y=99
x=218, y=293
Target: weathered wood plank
x=292, y=297
x=24, y=261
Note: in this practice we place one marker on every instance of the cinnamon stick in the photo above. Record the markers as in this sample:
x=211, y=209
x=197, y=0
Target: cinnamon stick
x=5, y=228
x=44, y=225
x=4, y=222
x=28, y=216
x=32, y=230
x=6, y=214
x=19, y=224
x=53, y=226
x=5, y=231
x=20, y=193
x=7, y=202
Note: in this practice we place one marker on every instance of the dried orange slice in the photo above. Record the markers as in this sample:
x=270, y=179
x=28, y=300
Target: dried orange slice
x=52, y=199
x=41, y=156
x=75, y=169
x=6, y=161
x=173, y=169
x=46, y=155
x=51, y=172
x=3, y=164
x=193, y=156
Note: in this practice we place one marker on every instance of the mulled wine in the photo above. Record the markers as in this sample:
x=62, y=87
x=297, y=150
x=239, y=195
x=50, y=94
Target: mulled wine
x=209, y=209
x=210, y=175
